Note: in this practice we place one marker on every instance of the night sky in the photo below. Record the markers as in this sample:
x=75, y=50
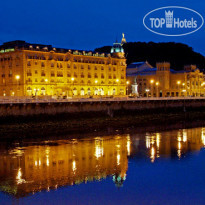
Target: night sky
x=81, y=24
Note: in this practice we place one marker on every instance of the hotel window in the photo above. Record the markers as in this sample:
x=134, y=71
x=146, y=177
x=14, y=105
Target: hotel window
x=109, y=68
x=43, y=73
x=82, y=67
x=50, y=58
x=29, y=73
x=68, y=65
x=74, y=66
x=61, y=65
x=114, y=76
x=68, y=75
x=82, y=75
x=59, y=74
x=95, y=76
x=96, y=68
x=89, y=75
x=42, y=64
x=89, y=67
x=102, y=68
x=102, y=76
x=110, y=77
x=36, y=80
x=52, y=74
x=89, y=82
x=114, y=69
x=52, y=64
x=75, y=75
x=28, y=63
x=36, y=72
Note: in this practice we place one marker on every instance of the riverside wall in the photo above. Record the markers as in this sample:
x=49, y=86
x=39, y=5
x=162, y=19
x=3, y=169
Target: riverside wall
x=105, y=107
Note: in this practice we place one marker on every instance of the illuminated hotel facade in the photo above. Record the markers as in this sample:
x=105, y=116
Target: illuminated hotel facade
x=38, y=70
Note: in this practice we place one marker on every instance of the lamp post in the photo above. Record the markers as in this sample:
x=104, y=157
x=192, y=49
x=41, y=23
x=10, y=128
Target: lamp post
x=178, y=83
x=72, y=79
x=147, y=91
x=36, y=92
x=46, y=80
x=157, y=84
x=96, y=82
x=117, y=80
x=17, y=82
x=127, y=87
x=152, y=81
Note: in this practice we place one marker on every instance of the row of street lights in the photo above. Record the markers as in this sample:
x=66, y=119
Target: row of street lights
x=17, y=77
x=148, y=90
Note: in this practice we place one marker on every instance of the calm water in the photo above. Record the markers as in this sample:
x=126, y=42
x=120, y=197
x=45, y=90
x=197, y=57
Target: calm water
x=150, y=168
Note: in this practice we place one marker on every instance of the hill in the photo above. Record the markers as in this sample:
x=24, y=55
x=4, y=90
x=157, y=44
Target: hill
x=177, y=54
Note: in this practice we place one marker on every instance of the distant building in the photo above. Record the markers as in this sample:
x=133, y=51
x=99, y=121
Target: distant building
x=36, y=69
x=162, y=81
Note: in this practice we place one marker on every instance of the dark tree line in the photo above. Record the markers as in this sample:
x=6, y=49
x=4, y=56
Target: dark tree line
x=177, y=54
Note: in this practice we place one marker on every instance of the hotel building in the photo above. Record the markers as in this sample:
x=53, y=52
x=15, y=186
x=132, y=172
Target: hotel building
x=37, y=70
x=163, y=81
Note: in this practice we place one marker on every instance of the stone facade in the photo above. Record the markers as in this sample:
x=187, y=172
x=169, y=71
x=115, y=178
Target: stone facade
x=163, y=81
x=37, y=70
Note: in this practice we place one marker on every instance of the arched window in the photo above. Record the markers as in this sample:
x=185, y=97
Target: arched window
x=43, y=91
x=82, y=91
x=89, y=91
x=114, y=91
x=75, y=92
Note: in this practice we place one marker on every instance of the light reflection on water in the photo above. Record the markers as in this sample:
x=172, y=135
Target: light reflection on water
x=53, y=164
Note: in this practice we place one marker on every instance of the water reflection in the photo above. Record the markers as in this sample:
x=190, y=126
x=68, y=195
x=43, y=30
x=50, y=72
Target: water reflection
x=33, y=168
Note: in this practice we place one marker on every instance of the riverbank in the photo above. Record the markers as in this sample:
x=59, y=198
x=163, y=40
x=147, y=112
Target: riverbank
x=63, y=126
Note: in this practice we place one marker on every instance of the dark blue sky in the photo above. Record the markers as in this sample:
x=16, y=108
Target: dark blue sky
x=81, y=24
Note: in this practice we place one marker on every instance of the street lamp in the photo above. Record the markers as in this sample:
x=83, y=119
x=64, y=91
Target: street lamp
x=72, y=79
x=17, y=79
x=117, y=80
x=157, y=84
x=178, y=83
x=127, y=87
x=147, y=90
x=96, y=82
x=46, y=80
x=152, y=81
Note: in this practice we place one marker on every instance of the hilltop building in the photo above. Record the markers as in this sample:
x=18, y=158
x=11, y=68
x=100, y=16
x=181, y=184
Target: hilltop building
x=35, y=69
x=162, y=81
